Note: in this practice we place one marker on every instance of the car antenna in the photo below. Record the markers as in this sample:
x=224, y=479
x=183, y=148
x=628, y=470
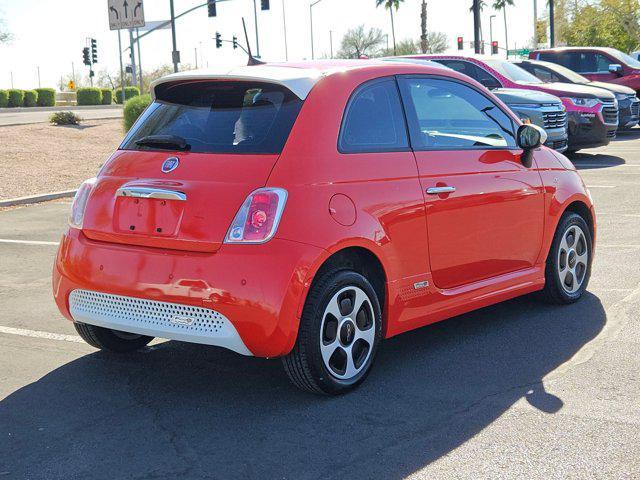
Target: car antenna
x=252, y=60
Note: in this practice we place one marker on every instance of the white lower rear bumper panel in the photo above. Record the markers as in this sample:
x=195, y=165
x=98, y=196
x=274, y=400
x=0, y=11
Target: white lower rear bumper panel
x=173, y=321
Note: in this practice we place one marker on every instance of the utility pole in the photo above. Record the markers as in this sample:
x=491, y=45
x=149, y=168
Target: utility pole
x=11, y=73
x=552, y=26
x=73, y=72
x=476, y=26
x=196, y=54
x=175, y=55
x=39, y=86
x=284, y=24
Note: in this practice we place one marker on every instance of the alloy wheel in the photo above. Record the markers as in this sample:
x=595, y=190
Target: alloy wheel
x=347, y=333
x=573, y=259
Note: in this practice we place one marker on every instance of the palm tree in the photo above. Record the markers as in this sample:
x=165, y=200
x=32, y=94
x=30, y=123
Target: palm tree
x=391, y=4
x=502, y=5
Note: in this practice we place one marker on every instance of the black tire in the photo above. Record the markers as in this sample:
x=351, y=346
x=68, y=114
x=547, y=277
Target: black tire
x=304, y=364
x=111, y=340
x=554, y=290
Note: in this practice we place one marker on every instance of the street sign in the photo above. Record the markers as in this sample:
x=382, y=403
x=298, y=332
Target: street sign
x=522, y=52
x=125, y=14
x=72, y=85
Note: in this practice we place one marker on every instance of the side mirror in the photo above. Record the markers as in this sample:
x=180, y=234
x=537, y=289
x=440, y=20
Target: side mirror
x=529, y=138
x=615, y=68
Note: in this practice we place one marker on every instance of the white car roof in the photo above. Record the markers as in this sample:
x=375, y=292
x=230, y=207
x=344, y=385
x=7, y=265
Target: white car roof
x=299, y=80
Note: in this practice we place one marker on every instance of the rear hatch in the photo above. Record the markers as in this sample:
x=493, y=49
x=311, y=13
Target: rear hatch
x=189, y=162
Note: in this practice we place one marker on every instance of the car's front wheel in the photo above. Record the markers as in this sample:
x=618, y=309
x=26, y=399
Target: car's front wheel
x=112, y=340
x=569, y=262
x=338, y=337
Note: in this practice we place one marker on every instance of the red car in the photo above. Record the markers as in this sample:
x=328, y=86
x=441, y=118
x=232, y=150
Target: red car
x=592, y=112
x=309, y=211
x=599, y=64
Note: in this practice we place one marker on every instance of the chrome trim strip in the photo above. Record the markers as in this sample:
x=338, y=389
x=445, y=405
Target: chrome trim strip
x=149, y=192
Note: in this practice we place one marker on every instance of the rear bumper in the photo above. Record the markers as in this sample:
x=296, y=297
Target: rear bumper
x=254, y=290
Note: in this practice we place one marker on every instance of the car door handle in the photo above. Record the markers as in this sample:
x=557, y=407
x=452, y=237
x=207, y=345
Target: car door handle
x=148, y=192
x=439, y=190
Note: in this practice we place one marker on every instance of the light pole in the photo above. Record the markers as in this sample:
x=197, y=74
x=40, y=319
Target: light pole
x=535, y=23
x=552, y=26
x=311, y=5
x=175, y=55
x=255, y=19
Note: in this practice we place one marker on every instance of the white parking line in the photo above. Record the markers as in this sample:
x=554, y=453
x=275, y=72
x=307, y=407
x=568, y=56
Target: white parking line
x=23, y=332
x=27, y=242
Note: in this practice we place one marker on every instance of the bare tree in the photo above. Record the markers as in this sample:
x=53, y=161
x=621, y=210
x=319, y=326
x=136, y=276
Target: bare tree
x=357, y=42
x=437, y=42
x=5, y=36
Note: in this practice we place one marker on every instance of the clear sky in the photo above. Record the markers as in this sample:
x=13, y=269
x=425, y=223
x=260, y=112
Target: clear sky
x=51, y=34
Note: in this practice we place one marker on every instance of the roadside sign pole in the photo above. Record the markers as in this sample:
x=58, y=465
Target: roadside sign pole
x=121, y=68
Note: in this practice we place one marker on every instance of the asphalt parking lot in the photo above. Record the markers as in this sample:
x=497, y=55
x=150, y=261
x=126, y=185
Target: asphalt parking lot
x=517, y=390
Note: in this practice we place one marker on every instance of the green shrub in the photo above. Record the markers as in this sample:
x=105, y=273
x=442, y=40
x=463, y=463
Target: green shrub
x=89, y=96
x=129, y=92
x=4, y=98
x=133, y=108
x=16, y=98
x=107, y=96
x=30, y=98
x=64, y=118
x=46, y=97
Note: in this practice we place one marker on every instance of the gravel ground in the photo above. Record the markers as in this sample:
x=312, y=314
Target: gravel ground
x=42, y=158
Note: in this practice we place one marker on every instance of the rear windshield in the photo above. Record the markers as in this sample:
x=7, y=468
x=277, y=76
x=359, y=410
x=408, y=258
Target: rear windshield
x=218, y=117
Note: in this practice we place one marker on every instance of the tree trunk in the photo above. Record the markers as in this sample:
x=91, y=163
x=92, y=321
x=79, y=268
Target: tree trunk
x=506, y=38
x=393, y=30
x=423, y=37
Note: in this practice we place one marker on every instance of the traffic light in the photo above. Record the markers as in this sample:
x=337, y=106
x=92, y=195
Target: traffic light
x=211, y=5
x=85, y=56
x=94, y=51
x=265, y=4
x=460, y=43
x=218, y=40
x=494, y=47
x=235, y=42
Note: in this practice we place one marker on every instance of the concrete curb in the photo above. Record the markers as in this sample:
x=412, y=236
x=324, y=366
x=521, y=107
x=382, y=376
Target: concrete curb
x=47, y=121
x=61, y=108
x=45, y=197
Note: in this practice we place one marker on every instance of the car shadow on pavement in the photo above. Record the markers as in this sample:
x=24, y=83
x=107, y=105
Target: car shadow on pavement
x=189, y=411
x=626, y=135
x=588, y=161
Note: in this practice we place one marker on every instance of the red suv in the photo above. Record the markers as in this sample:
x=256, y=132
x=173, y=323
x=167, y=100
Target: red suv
x=309, y=211
x=599, y=64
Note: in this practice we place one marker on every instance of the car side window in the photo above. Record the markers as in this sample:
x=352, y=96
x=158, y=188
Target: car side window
x=469, y=69
x=449, y=115
x=374, y=120
x=591, y=62
x=545, y=75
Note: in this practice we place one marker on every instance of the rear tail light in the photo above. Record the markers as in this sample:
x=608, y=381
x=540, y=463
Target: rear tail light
x=258, y=217
x=79, y=205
